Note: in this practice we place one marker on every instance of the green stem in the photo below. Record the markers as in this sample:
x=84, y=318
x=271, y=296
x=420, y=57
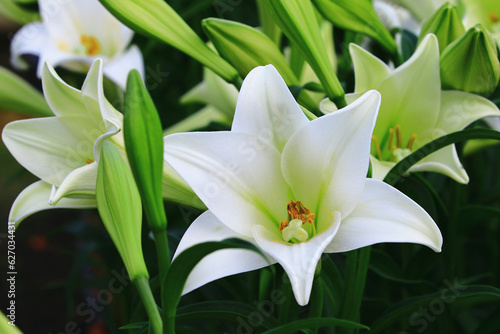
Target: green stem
x=162, y=252
x=142, y=285
x=355, y=279
x=317, y=299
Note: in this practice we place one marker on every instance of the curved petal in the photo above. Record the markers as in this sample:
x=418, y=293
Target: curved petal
x=99, y=109
x=237, y=176
x=35, y=198
x=326, y=106
x=444, y=161
x=298, y=260
x=221, y=263
x=411, y=94
x=30, y=39
x=80, y=182
x=175, y=189
x=267, y=109
x=369, y=71
x=493, y=122
x=63, y=99
x=385, y=214
x=51, y=147
x=459, y=109
x=214, y=91
x=118, y=68
x=325, y=162
x=380, y=168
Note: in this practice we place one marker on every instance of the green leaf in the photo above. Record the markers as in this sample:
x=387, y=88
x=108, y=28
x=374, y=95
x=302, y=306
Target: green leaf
x=136, y=325
x=401, y=167
x=226, y=311
x=180, y=269
x=144, y=144
x=119, y=205
x=313, y=323
x=408, y=44
x=359, y=16
x=18, y=95
x=298, y=21
x=17, y=13
x=5, y=327
x=451, y=294
x=157, y=19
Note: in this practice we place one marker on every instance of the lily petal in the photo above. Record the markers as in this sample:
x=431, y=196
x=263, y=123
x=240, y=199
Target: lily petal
x=63, y=99
x=99, y=109
x=326, y=161
x=380, y=168
x=298, y=260
x=414, y=89
x=369, y=71
x=444, y=161
x=221, y=263
x=385, y=214
x=51, y=147
x=236, y=175
x=80, y=182
x=459, y=109
x=30, y=39
x=266, y=108
x=35, y=198
x=118, y=68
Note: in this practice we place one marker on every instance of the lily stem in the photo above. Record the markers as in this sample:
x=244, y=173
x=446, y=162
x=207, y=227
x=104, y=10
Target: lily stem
x=163, y=254
x=142, y=285
x=355, y=279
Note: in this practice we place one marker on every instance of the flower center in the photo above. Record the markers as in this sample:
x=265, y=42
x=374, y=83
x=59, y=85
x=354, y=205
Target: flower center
x=299, y=224
x=91, y=45
x=394, y=145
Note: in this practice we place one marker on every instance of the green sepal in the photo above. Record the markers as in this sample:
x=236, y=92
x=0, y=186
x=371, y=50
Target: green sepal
x=119, y=205
x=157, y=19
x=297, y=20
x=143, y=135
x=470, y=64
x=18, y=95
x=246, y=47
x=359, y=16
x=445, y=24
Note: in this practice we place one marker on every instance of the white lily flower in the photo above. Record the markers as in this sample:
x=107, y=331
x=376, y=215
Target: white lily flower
x=414, y=110
x=63, y=151
x=73, y=34
x=293, y=187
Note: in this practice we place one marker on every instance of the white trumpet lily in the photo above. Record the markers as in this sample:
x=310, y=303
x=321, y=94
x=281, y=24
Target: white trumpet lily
x=73, y=34
x=293, y=187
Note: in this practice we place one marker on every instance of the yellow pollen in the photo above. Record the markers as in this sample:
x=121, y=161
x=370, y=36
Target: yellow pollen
x=377, y=146
x=89, y=161
x=411, y=141
x=92, y=46
x=296, y=210
x=493, y=17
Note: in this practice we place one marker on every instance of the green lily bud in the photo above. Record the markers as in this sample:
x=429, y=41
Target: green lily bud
x=267, y=24
x=119, y=205
x=445, y=24
x=246, y=48
x=144, y=144
x=471, y=63
x=297, y=20
x=15, y=11
x=157, y=19
x=359, y=16
x=18, y=95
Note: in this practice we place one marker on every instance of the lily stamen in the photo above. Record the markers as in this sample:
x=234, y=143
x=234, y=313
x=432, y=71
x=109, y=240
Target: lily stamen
x=377, y=146
x=89, y=161
x=493, y=17
x=399, y=136
x=391, y=136
x=92, y=46
x=411, y=141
